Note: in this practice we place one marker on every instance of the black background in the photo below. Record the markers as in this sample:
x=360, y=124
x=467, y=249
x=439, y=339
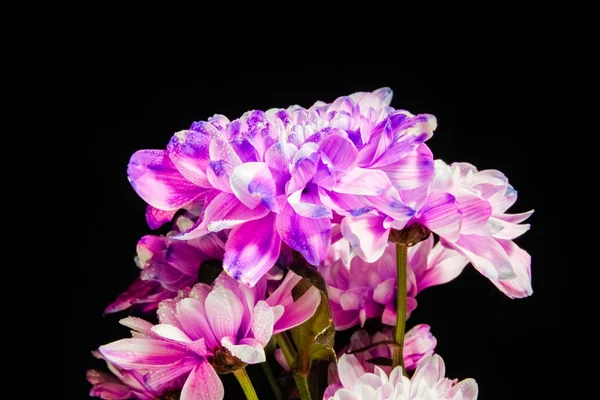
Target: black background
x=486, y=112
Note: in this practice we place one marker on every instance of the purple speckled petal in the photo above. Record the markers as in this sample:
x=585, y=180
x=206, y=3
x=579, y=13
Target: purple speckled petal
x=253, y=184
x=367, y=235
x=311, y=237
x=218, y=174
x=412, y=171
x=157, y=218
x=224, y=212
x=203, y=383
x=189, y=152
x=442, y=215
x=156, y=180
x=252, y=249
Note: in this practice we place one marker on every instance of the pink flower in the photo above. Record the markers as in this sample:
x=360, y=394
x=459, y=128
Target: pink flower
x=427, y=383
x=206, y=330
x=123, y=384
x=167, y=265
x=286, y=175
x=359, y=290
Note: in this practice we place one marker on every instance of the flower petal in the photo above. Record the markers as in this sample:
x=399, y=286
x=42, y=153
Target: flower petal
x=203, y=383
x=251, y=250
x=156, y=180
x=307, y=203
x=248, y=350
x=475, y=213
x=520, y=286
x=192, y=316
x=443, y=265
x=263, y=320
x=157, y=218
x=486, y=255
x=367, y=235
x=363, y=181
x=299, y=311
x=188, y=150
x=442, y=215
x=253, y=184
x=224, y=312
x=412, y=171
x=349, y=370
x=311, y=237
x=141, y=353
x=171, y=332
x=339, y=152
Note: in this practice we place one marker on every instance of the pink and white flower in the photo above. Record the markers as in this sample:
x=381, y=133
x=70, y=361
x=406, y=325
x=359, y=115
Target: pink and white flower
x=427, y=383
x=208, y=329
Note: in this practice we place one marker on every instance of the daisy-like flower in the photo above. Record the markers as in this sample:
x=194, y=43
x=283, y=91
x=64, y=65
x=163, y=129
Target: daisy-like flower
x=359, y=290
x=208, y=330
x=167, y=265
x=288, y=175
x=427, y=383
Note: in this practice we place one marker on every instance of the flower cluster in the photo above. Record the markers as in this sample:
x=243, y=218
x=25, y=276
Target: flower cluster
x=312, y=214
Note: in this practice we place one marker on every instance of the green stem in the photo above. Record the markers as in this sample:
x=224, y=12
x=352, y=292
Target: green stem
x=272, y=380
x=401, y=261
x=245, y=383
x=302, y=384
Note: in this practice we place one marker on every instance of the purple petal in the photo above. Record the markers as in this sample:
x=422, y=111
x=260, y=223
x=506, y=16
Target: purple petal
x=279, y=156
x=184, y=258
x=385, y=94
x=218, y=174
x=224, y=312
x=311, y=237
x=299, y=311
x=390, y=204
x=251, y=250
x=363, y=181
x=340, y=152
x=248, y=350
x=223, y=212
x=441, y=214
x=138, y=290
x=304, y=167
x=367, y=235
x=307, y=203
x=156, y=180
x=283, y=294
x=475, y=213
x=192, y=316
x=203, y=383
x=253, y=184
x=412, y=171
x=141, y=353
x=107, y=387
x=378, y=144
x=189, y=152
x=486, y=255
x=157, y=218
x=344, y=204
x=520, y=286
x=343, y=320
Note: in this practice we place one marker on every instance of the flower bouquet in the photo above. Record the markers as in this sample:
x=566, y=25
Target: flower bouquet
x=289, y=225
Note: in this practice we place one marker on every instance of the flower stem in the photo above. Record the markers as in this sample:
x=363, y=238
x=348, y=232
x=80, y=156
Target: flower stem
x=289, y=353
x=401, y=261
x=245, y=383
x=272, y=380
x=302, y=384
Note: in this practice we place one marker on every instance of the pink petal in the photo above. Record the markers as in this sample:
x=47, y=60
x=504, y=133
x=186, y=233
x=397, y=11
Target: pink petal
x=515, y=218
x=443, y=266
x=307, y=203
x=223, y=212
x=163, y=378
x=343, y=320
x=344, y=204
x=157, y=218
x=189, y=152
x=224, y=312
x=339, y=151
x=203, y=383
x=385, y=94
x=311, y=237
x=417, y=256
x=412, y=171
x=367, y=235
x=251, y=250
x=468, y=389
x=141, y=353
x=248, y=350
x=304, y=167
x=184, y=258
x=137, y=324
x=192, y=316
x=283, y=294
x=156, y=180
x=385, y=292
x=508, y=230
x=138, y=291
x=389, y=203
x=520, y=286
x=280, y=358
x=363, y=181
x=442, y=215
x=299, y=311
x=349, y=370
x=218, y=174
x=263, y=320
x=171, y=332
x=475, y=213
x=253, y=184
x=486, y=255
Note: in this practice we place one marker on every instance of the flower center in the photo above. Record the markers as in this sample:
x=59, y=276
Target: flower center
x=224, y=362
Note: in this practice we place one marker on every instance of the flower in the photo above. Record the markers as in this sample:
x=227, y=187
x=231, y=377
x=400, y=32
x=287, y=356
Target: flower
x=288, y=176
x=359, y=290
x=485, y=233
x=124, y=384
x=167, y=265
x=427, y=383
x=206, y=330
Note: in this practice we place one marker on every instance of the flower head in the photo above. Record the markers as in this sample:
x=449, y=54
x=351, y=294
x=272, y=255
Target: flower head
x=210, y=329
x=427, y=383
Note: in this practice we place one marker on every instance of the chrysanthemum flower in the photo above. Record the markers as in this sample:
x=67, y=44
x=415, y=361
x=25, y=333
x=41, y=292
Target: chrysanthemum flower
x=206, y=330
x=359, y=290
x=167, y=265
x=427, y=383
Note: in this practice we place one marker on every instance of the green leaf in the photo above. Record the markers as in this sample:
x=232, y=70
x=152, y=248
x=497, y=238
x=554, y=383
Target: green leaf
x=314, y=338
